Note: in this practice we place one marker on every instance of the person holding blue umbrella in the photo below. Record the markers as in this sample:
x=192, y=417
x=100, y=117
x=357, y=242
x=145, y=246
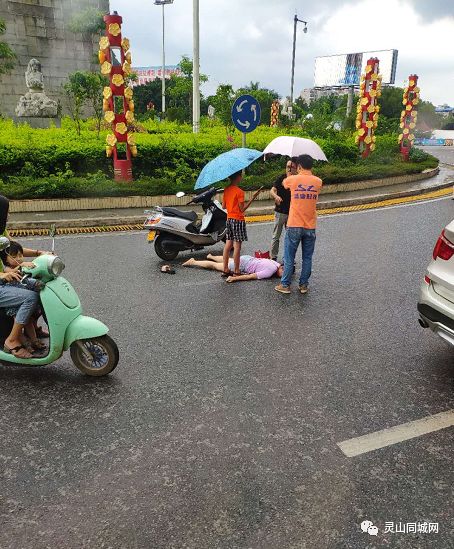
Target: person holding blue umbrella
x=236, y=233
x=229, y=165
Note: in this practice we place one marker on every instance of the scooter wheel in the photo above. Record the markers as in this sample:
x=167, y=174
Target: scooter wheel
x=161, y=252
x=97, y=356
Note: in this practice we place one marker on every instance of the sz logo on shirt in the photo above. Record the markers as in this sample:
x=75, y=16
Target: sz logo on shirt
x=305, y=193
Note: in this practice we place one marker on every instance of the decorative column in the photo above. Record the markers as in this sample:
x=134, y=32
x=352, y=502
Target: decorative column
x=409, y=116
x=275, y=105
x=115, y=60
x=368, y=108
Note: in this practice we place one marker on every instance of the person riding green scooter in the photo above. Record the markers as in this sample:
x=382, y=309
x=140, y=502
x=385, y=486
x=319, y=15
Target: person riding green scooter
x=92, y=350
x=26, y=301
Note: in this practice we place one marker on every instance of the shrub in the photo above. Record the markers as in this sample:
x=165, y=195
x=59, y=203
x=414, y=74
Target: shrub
x=56, y=162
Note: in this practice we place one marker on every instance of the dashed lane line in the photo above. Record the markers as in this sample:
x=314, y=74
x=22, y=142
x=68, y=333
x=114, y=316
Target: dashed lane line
x=387, y=437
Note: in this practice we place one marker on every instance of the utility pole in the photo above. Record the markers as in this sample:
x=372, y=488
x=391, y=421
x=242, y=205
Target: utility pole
x=295, y=23
x=350, y=96
x=163, y=76
x=196, y=70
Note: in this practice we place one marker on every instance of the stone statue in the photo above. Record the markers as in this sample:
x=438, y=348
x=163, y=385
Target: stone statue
x=35, y=103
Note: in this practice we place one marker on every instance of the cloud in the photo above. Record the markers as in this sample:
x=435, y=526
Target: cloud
x=252, y=41
x=433, y=9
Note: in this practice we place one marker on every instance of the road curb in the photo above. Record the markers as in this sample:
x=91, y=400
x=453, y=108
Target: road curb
x=112, y=203
x=37, y=225
x=260, y=215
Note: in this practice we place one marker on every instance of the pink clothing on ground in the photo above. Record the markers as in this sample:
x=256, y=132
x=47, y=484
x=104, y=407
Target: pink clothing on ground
x=263, y=268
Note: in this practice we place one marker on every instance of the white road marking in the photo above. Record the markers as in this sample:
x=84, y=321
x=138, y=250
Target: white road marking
x=387, y=437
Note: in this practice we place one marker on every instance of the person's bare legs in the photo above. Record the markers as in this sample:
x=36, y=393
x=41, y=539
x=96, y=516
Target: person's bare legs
x=226, y=255
x=217, y=258
x=236, y=256
x=211, y=265
x=14, y=340
x=30, y=332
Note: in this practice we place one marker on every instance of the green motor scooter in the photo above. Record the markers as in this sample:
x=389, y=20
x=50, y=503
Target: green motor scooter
x=91, y=349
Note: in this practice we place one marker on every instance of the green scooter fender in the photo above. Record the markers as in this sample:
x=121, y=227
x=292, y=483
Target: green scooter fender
x=83, y=327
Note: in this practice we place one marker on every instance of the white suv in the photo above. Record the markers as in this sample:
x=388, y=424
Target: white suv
x=436, y=299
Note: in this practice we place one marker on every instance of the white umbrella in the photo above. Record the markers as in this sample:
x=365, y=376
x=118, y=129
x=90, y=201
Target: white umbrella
x=295, y=146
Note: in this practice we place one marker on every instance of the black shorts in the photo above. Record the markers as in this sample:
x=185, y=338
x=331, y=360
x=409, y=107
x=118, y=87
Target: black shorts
x=236, y=230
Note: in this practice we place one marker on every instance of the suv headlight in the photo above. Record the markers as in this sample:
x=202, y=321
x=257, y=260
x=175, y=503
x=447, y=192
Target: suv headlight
x=55, y=266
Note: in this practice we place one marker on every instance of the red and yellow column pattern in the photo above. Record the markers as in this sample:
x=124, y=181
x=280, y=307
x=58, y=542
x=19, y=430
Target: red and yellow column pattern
x=115, y=60
x=275, y=105
x=368, y=108
x=409, y=115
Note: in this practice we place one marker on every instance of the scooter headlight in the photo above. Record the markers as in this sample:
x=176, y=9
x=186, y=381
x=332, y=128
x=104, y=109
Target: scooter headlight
x=55, y=266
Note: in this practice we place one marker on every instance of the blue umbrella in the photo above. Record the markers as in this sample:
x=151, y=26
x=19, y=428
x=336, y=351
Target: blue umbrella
x=226, y=164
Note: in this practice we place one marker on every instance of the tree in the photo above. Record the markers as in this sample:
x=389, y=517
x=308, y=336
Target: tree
x=85, y=89
x=7, y=56
x=428, y=116
x=76, y=95
x=180, y=90
x=448, y=123
x=391, y=102
x=300, y=108
x=222, y=103
x=94, y=85
x=151, y=92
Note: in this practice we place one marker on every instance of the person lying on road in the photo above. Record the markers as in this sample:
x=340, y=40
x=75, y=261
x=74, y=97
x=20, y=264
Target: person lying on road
x=251, y=268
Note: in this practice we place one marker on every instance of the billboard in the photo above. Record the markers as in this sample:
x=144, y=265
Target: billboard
x=346, y=69
x=147, y=74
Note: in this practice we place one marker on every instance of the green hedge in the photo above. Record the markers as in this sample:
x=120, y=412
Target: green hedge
x=58, y=163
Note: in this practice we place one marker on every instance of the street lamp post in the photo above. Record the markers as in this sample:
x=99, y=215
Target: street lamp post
x=196, y=70
x=163, y=76
x=295, y=23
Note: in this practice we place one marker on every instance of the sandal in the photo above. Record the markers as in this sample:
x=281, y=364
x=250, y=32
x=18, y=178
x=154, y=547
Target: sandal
x=41, y=332
x=14, y=351
x=168, y=269
x=226, y=274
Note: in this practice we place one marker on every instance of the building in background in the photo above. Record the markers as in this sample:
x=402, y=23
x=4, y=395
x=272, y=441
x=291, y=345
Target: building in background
x=148, y=74
x=444, y=110
x=39, y=29
x=312, y=94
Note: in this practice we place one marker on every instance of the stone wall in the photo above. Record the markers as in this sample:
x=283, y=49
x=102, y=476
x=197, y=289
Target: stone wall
x=38, y=28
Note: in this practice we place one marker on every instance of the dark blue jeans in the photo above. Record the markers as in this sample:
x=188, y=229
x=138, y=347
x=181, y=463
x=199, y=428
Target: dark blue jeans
x=293, y=237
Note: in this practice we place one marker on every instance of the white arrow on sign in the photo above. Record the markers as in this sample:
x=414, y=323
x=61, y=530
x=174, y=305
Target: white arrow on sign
x=254, y=110
x=244, y=124
x=239, y=107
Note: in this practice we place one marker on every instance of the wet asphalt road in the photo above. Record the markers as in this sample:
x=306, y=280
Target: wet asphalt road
x=219, y=427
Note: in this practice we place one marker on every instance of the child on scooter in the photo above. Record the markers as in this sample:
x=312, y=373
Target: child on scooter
x=13, y=258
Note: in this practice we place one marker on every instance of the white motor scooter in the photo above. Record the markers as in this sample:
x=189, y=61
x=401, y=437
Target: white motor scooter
x=174, y=231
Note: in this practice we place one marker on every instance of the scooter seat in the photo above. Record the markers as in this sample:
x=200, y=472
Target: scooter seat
x=173, y=212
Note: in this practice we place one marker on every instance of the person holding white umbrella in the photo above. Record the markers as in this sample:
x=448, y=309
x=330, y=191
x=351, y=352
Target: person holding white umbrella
x=301, y=223
x=281, y=198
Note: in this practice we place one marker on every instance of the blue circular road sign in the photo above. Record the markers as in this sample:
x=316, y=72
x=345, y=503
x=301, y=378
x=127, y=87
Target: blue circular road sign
x=246, y=113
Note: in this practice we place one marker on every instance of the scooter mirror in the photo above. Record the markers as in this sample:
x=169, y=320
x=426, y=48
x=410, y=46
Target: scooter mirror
x=180, y=194
x=4, y=243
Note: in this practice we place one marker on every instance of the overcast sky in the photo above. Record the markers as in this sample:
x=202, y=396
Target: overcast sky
x=251, y=40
